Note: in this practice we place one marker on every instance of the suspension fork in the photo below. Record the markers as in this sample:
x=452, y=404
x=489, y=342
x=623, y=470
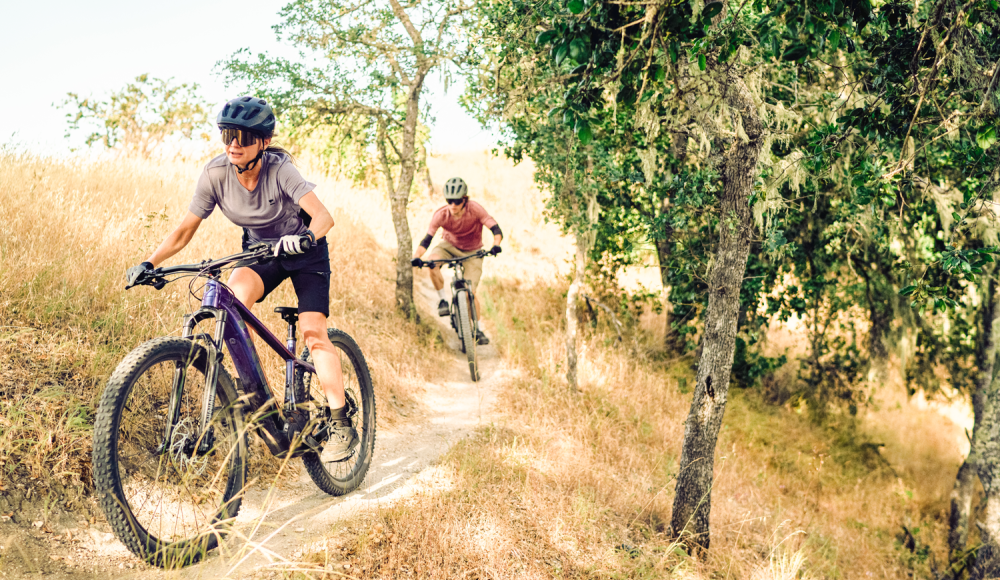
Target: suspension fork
x=214, y=352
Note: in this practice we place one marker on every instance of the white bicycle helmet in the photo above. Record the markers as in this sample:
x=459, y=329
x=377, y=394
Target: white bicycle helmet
x=455, y=188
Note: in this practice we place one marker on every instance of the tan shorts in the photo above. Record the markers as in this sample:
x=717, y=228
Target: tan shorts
x=473, y=268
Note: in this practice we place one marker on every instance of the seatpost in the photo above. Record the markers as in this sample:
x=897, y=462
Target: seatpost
x=290, y=367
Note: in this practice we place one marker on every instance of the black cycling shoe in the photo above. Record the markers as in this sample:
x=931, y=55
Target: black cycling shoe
x=443, y=308
x=481, y=339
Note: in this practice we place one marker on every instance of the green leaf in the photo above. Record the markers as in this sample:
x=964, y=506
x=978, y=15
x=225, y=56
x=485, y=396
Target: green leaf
x=560, y=53
x=660, y=74
x=583, y=132
x=578, y=50
x=575, y=6
x=545, y=37
x=553, y=111
x=956, y=217
x=673, y=51
x=986, y=137
x=712, y=10
x=702, y=63
x=834, y=39
x=795, y=52
x=908, y=290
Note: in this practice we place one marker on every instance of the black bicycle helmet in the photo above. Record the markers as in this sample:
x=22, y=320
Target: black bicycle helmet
x=248, y=113
x=455, y=188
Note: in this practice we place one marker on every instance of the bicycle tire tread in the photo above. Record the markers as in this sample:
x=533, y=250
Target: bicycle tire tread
x=103, y=464
x=312, y=461
x=468, y=334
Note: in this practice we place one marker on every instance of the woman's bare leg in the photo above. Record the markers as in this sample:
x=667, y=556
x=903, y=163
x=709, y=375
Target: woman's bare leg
x=325, y=357
x=246, y=285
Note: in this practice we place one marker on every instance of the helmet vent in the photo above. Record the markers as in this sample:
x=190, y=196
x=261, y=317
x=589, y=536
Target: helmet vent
x=250, y=113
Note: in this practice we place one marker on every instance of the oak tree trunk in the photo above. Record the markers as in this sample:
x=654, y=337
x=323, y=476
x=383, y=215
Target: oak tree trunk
x=986, y=351
x=401, y=199
x=670, y=336
x=961, y=505
x=985, y=453
x=692, y=501
x=985, y=456
x=572, y=322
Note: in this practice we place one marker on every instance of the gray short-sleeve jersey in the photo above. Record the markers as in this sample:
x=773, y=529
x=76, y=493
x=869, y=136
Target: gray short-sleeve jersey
x=268, y=212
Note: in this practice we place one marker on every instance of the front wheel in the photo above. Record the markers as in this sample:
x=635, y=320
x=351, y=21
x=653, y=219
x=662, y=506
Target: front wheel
x=168, y=493
x=464, y=298
x=342, y=476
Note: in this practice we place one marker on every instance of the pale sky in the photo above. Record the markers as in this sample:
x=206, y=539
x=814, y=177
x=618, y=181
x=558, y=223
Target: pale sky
x=93, y=48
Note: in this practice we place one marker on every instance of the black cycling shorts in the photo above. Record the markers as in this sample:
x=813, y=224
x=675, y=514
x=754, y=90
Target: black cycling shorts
x=310, y=274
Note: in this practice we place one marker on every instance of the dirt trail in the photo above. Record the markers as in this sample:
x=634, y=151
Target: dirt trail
x=281, y=523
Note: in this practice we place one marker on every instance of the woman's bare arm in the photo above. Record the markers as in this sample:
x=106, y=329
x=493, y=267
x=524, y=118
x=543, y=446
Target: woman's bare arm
x=322, y=221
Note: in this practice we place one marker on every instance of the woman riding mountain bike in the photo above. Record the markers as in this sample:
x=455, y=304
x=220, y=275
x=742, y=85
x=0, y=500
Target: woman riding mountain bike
x=258, y=188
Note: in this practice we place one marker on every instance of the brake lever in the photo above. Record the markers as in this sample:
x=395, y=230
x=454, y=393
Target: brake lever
x=146, y=280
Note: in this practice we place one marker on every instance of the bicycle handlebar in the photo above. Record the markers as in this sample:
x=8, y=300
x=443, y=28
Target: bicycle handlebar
x=450, y=261
x=256, y=254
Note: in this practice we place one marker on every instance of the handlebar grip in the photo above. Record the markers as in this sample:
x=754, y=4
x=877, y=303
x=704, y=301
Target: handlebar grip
x=306, y=244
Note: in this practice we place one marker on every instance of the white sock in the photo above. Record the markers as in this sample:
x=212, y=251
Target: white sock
x=441, y=295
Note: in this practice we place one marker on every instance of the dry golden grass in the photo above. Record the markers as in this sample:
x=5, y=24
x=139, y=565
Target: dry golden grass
x=71, y=228
x=581, y=485
x=565, y=485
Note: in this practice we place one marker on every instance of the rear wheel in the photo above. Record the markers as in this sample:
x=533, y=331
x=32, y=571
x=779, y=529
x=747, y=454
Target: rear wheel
x=168, y=498
x=464, y=298
x=341, y=476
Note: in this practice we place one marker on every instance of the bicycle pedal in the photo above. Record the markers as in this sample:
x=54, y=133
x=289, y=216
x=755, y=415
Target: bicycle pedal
x=312, y=443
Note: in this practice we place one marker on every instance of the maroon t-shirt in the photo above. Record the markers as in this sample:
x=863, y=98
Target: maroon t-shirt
x=466, y=231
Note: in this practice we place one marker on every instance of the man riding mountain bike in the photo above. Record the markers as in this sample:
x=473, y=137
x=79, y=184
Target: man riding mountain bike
x=463, y=221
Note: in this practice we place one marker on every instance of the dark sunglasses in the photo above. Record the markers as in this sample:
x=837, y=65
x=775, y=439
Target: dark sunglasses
x=455, y=201
x=243, y=137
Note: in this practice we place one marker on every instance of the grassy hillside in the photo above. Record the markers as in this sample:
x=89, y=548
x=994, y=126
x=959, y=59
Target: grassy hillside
x=71, y=228
x=564, y=485
x=580, y=485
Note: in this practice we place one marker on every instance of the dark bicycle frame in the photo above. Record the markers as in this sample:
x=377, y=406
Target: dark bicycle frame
x=459, y=282
x=233, y=322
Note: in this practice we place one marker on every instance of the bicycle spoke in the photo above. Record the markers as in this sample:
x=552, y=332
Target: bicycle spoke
x=340, y=476
x=170, y=489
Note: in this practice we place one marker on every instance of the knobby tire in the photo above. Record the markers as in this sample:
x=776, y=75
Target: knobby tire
x=463, y=298
x=342, y=477
x=129, y=470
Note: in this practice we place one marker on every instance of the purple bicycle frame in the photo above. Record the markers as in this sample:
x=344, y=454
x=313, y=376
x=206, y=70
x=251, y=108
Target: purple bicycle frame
x=233, y=321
